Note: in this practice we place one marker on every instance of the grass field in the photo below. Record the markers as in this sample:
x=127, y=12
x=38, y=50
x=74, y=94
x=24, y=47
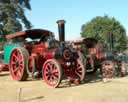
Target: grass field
x=93, y=90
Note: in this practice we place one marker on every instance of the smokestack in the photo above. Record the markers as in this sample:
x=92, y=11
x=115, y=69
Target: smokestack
x=61, y=28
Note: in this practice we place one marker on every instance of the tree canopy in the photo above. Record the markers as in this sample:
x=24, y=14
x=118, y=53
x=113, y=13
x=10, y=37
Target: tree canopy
x=12, y=16
x=100, y=28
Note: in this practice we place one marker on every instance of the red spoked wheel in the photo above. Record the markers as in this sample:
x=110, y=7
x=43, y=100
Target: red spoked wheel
x=80, y=69
x=52, y=73
x=18, y=63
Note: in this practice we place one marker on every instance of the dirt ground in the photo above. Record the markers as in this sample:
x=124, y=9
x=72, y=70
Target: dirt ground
x=93, y=90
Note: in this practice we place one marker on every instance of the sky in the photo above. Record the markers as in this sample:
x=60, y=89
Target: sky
x=45, y=13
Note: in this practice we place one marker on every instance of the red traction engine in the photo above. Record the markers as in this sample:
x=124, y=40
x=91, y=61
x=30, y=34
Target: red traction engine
x=36, y=51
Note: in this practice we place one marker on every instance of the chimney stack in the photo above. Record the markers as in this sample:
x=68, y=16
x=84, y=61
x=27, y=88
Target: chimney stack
x=61, y=28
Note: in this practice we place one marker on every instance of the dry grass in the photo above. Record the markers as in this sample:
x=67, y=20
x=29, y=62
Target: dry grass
x=94, y=90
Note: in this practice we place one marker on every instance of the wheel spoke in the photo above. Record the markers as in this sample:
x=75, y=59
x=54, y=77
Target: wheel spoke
x=18, y=53
x=78, y=65
x=14, y=66
x=53, y=67
x=15, y=70
x=54, y=79
x=79, y=72
x=20, y=62
x=20, y=69
x=47, y=75
x=18, y=74
x=21, y=66
x=15, y=57
x=49, y=68
x=79, y=69
x=55, y=76
x=13, y=63
x=50, y=79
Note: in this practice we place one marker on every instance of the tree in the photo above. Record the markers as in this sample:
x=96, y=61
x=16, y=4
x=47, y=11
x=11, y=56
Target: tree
x=12, y=16
x=101, y=28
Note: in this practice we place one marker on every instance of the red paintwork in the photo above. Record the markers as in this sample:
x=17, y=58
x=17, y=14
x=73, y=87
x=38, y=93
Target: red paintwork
x=3, y=66
x=41, y=49
x=41, y=53
x=96, y=52
x=100, y=54
x=49, y=54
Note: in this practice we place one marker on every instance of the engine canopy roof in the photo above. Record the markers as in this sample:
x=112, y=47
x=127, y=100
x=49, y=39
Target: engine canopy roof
x=33, y=34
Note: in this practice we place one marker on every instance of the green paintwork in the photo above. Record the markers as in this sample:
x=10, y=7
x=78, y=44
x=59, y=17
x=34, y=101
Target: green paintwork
x=7, y=51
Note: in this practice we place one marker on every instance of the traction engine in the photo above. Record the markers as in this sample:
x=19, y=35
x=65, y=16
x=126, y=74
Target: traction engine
x=36, y=52
x=99, y=55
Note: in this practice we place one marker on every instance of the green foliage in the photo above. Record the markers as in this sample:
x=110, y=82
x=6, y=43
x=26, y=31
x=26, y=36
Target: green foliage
x=100, y=28
x=12, y=16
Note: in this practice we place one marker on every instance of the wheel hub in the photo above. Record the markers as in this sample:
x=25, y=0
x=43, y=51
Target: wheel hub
x=17, y=64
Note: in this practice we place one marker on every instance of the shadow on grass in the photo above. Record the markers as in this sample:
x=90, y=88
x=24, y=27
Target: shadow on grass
x=93, y=78
x=89, y=78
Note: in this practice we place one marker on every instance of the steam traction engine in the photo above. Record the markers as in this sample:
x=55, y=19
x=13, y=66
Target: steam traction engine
x=31, y=52
x=99, y=55
x=90, y=53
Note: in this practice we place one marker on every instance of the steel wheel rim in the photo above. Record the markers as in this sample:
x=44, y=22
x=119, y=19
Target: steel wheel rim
x=16, y=64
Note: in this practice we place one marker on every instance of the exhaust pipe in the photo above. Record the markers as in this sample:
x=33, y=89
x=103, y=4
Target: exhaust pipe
x=61, y=28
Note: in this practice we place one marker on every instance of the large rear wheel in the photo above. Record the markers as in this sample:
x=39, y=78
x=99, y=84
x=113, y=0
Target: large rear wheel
x=52, y=73
x=18, y=63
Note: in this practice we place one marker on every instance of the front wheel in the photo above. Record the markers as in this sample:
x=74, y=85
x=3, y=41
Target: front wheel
x=80, y=68
x=107, y=69
x=52, y=73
